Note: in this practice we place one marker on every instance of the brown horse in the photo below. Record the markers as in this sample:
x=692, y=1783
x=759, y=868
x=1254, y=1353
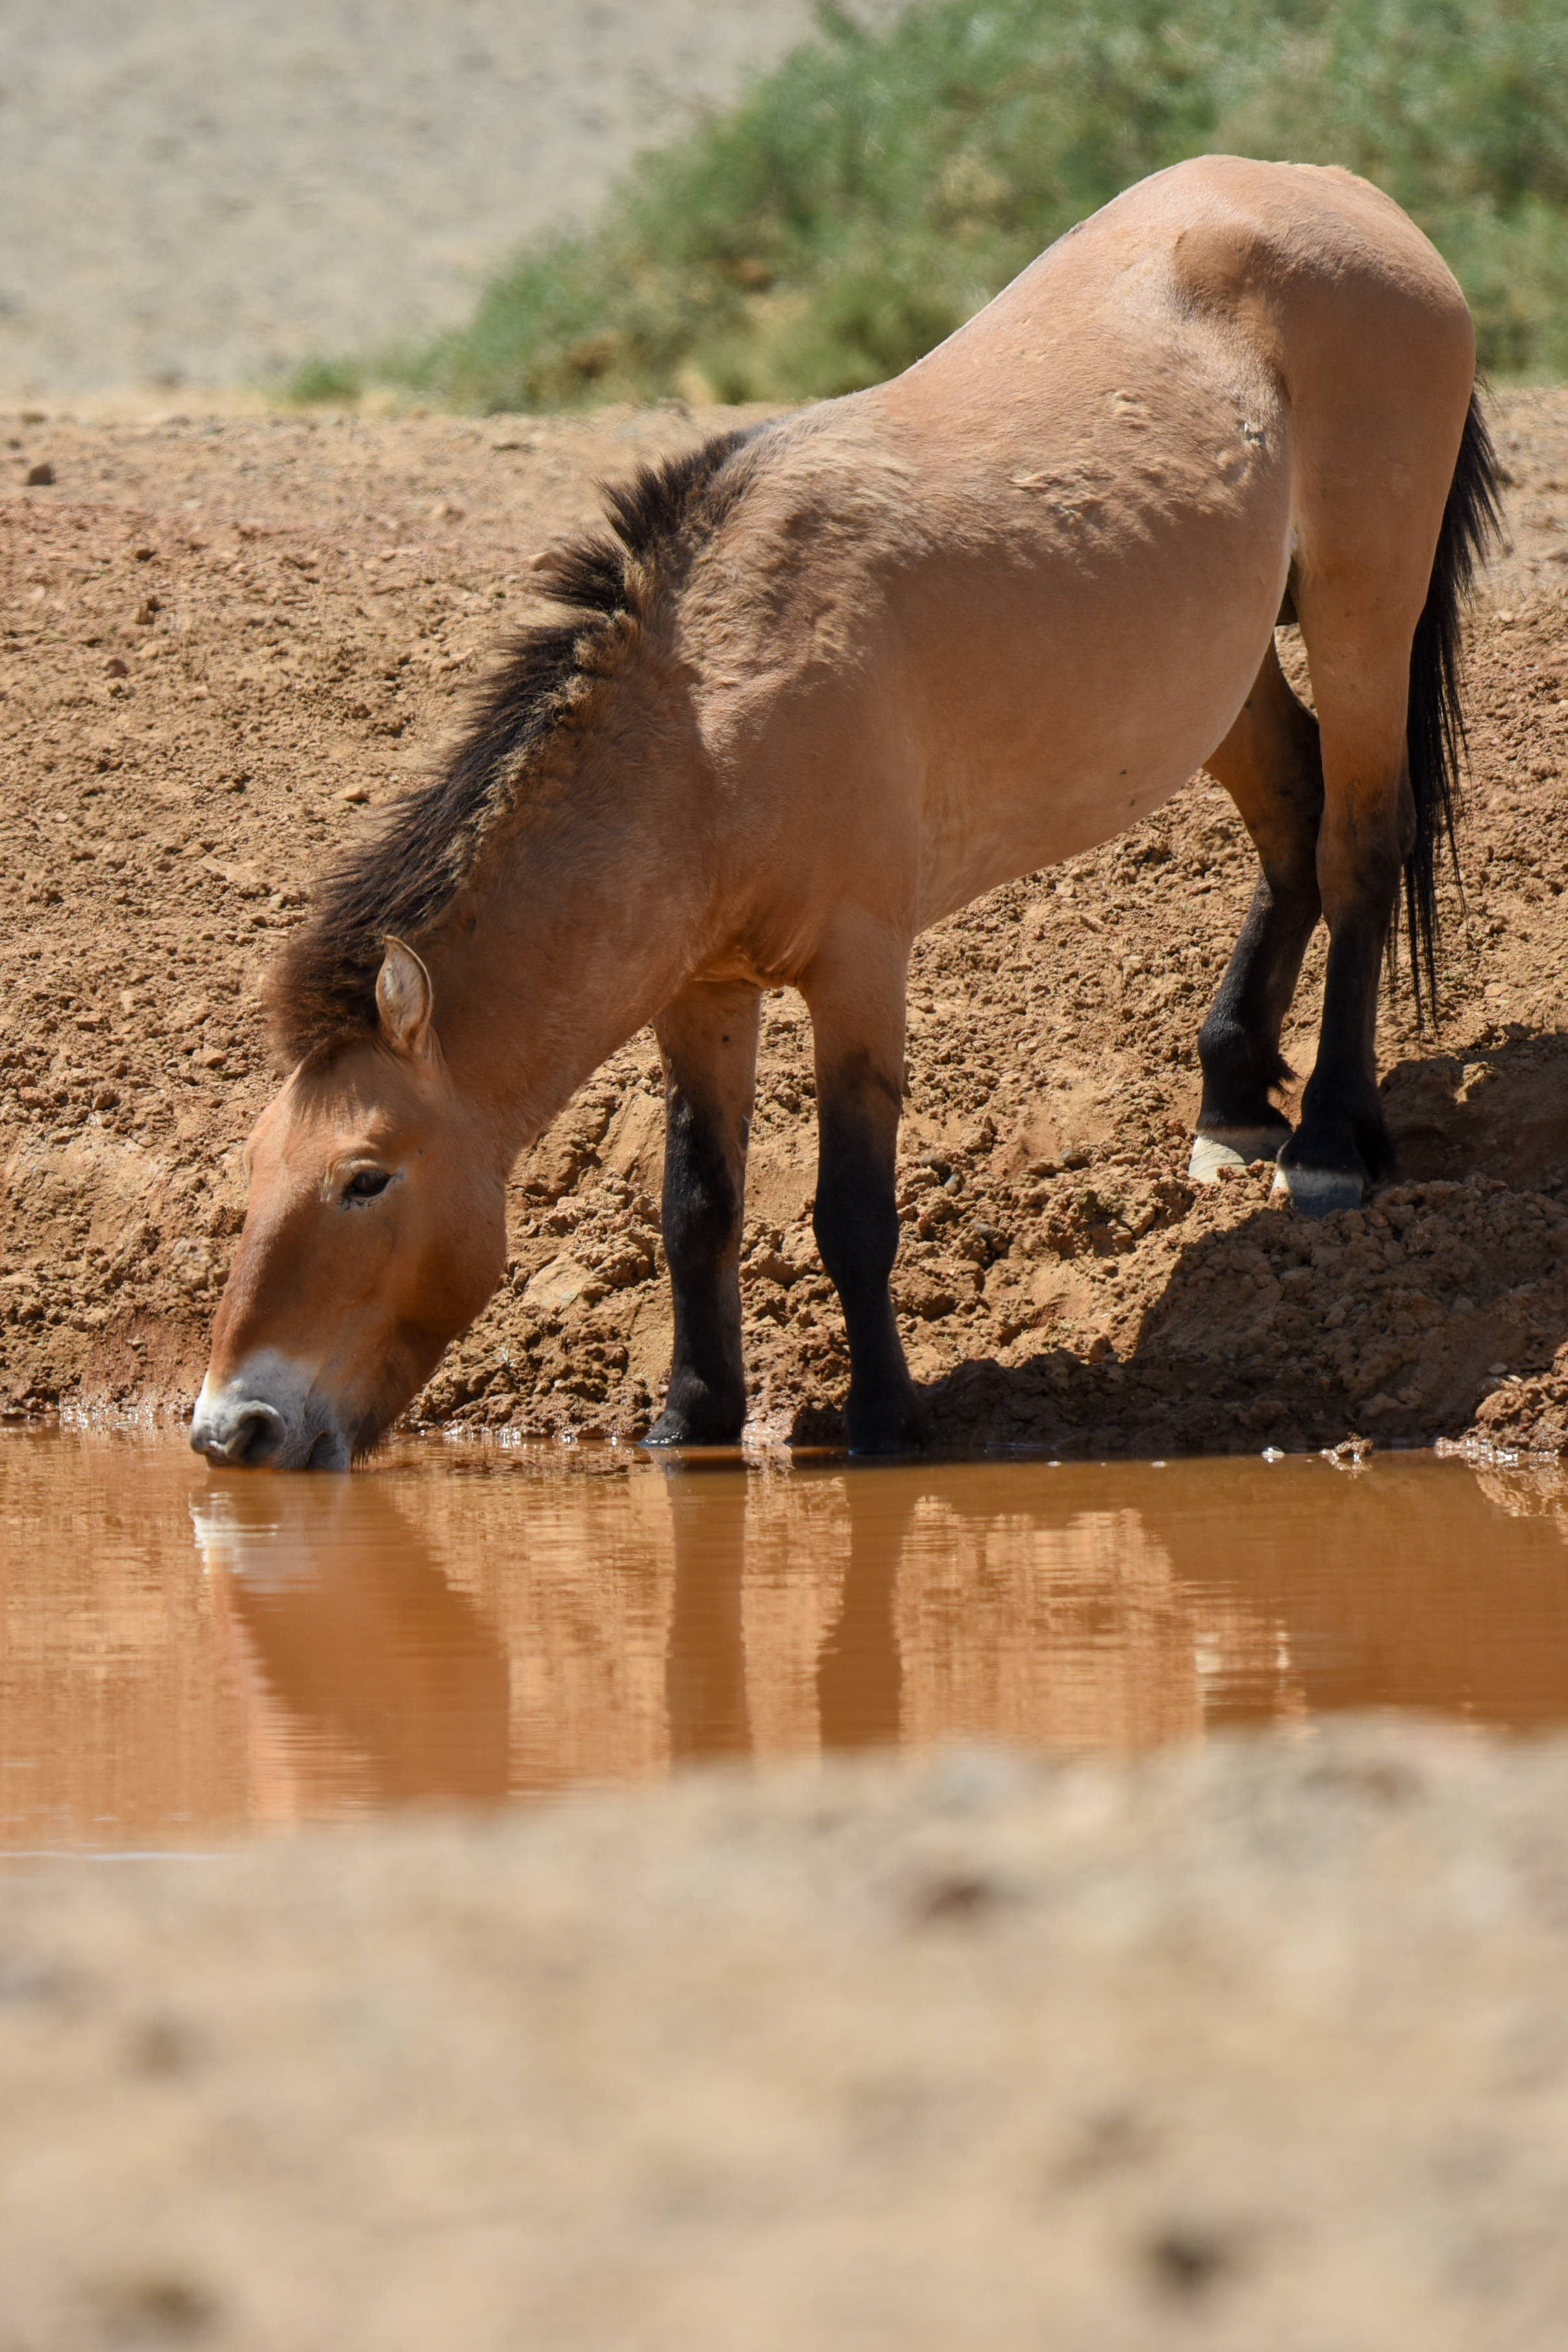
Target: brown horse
x=823, y=683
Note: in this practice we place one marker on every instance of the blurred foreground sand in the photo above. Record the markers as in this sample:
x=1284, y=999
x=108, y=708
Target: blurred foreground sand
x=1260, y=2044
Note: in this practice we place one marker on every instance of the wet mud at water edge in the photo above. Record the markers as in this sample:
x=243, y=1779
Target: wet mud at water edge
x=186, y=1655
x=226, y=644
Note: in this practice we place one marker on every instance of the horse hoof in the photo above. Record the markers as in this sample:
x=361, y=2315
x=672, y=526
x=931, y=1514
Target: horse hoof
x=1319, y=1191
x=905, y=1433
x=679, y=1429
x=1233, y=1147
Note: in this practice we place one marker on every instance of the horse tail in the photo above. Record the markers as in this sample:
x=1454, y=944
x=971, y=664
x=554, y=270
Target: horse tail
x=1434, y=727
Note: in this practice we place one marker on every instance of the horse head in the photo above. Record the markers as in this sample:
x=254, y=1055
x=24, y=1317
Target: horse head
x=376, y=1232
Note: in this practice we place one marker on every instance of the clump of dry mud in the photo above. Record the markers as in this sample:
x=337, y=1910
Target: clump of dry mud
x=225, y=642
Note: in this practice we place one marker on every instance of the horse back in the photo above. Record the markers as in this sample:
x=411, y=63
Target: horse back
x=997, y=609
x=1289, y=295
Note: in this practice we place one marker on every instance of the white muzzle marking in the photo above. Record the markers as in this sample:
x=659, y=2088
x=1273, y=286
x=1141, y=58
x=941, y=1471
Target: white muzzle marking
x=267, y=1416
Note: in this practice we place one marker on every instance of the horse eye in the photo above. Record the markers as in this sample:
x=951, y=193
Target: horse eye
x=366, y=1184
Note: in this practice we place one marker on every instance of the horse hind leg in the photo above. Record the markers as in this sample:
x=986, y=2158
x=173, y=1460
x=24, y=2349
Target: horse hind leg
x=1341, y=1144
x=1381, y=631
x=707, y=1038
x=1391, y=545
x=1271, y=766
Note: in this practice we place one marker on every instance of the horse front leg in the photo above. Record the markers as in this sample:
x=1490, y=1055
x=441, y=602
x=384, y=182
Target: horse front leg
x=1271, y=766
x=707, y=1038
x=856, y=994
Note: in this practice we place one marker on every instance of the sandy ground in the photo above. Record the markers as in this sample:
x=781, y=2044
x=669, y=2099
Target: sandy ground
x=201, y=194
x=1259, y=2044
x=225, y=642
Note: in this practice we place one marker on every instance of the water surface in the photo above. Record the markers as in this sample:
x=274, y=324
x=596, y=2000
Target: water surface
x=185, y=1654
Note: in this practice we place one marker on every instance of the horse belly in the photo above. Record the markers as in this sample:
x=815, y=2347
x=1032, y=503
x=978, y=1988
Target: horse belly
x=1083, y=695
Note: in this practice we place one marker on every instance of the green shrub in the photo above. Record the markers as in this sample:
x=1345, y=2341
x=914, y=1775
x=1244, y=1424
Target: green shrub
x=869, y=195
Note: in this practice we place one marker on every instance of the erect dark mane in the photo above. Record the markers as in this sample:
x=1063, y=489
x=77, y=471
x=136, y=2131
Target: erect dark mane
x=399, y=883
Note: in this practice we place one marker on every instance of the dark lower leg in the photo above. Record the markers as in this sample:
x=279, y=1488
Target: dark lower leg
x=709, y=1039
x=1342, y=1143
x=857, y=1231
x=1271, y=766
x=1359, y=646
x=1239, y=1044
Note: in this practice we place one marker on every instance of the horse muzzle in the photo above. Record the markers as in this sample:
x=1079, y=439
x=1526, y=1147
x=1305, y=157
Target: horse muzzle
x=265, y=1416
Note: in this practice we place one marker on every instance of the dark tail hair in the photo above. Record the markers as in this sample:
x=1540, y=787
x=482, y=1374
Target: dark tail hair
x=1434, y=729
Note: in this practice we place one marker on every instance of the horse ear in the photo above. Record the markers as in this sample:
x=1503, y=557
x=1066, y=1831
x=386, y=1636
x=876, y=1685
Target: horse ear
x=406, y=1002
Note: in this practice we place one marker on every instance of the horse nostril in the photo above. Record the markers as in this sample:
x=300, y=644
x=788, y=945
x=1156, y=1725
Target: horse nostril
x=247, y=1440
x=256, y=1436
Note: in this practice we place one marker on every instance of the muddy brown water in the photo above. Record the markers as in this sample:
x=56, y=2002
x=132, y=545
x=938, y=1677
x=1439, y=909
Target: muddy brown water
x=185, y=1656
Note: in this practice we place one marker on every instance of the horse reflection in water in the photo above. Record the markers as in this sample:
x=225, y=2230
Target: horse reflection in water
x=859, y=1672
x=372, y=1680
x=1087, y=1630
x=930, y=1622
x=1439, y=1591
x=765, y=1616
x=706, y=1665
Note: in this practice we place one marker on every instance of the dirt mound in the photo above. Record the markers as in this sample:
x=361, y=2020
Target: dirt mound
x=225, y=642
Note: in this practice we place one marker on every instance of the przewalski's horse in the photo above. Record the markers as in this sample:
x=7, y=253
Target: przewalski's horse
x=823, y=683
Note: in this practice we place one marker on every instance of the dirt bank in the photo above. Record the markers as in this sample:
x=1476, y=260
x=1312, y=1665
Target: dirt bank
x=226, y=642
x=1257, y=2044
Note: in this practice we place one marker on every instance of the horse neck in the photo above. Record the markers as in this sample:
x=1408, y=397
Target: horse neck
x=582, y=927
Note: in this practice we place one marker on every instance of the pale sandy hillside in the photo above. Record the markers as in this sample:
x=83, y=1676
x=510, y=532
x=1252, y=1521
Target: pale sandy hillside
x=192, y=194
